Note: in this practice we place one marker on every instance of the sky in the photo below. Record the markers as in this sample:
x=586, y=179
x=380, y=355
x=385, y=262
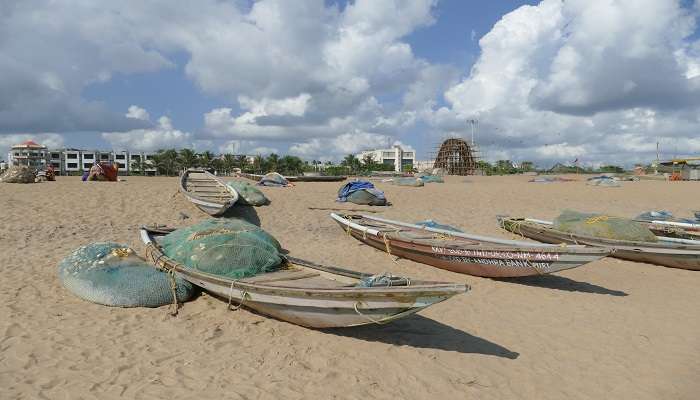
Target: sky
x=600, y=81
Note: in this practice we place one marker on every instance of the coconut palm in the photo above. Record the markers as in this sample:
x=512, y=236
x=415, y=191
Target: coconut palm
x=205, y=159
x=187, y=158
x=228, y=163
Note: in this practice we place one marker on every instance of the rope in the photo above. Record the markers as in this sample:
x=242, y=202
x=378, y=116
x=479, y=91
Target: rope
x=376, y=321
x=163, y=266
x=230, y=297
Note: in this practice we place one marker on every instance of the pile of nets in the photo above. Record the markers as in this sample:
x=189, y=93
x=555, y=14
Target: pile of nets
x=18, y=174
x=273, y=179
x=361, y=192
x=603, y=181
x=111, y=274
x=232, y=248
x=602, y=226
x=433, y=224
x=410, y=181
x=248, y=194
x=427, y=178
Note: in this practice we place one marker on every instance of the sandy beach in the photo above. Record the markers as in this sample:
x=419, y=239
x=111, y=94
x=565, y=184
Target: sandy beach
x=611, y=329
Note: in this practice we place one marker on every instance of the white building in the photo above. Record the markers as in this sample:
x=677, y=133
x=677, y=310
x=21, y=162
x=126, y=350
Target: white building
x=396, y=156
x=121, y=158
x=87, y=159
x=28, y=153
x=71, y=161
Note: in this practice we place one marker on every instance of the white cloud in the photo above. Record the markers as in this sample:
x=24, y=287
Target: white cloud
x=161, y=136
x=137, y=112
x=597, y=79
x=335, y=148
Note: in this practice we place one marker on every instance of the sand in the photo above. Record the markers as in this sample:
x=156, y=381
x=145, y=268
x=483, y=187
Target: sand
x=610, y=329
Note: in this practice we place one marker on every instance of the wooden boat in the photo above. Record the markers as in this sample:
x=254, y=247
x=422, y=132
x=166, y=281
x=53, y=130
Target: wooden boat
x=206, y=191
x=465, y=253
x=300, y=178
x=668, y=251
x=312, y=295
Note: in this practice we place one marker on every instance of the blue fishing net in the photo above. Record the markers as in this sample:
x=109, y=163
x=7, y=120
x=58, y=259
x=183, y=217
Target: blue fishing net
x=111, y=274
x=248, y=194
x=232, y=247
x=432, y=224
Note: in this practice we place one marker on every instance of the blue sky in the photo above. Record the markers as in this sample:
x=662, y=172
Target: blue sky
x=550, y=81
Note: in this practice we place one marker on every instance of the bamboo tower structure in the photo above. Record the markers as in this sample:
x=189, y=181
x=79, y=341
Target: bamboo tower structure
x=456, y=157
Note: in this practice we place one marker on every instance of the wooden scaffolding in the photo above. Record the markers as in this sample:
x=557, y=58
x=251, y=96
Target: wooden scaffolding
x=456, y=157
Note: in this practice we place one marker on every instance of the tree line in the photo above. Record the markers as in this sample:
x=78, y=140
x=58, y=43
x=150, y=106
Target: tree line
x=170, y=162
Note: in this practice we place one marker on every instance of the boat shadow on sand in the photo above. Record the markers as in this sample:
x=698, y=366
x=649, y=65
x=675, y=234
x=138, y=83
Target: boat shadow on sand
x=421, y=332
x=562, y=283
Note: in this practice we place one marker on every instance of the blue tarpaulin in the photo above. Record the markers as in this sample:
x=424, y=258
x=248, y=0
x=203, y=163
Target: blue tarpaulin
x=352, y=187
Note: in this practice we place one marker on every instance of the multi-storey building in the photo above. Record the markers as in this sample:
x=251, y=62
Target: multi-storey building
x=396, y=157
x=28, y=153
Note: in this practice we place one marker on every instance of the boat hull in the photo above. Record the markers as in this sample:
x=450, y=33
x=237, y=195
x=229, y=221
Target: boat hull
x=673, y=256
x=474, y=258
x=203, y=200
x=314, y=307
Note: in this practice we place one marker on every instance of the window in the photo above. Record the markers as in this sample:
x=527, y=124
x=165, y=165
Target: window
x=87, y=165
x=72, y=165
x=149, y=157
x=386, y=154
x=406, y=161
x=121, y=165
x=88, y=156
x=56, y=164
x=388, y=161
x=408, y=154
x=136, y=157
x=72, y=156
x=16, y=153
x=119, y=157
x=55, y=156
x=104, y=156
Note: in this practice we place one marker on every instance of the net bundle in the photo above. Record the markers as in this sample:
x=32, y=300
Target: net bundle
x=111, y=274
x=248, y=194
x=602, y=226
x=415, y=182
x=232, y=248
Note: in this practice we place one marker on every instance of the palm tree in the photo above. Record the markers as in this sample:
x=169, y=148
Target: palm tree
x=166, y=162
x=205, y=159
x=272, y=162
x=258, y=163
x=241, y=161
x=187, y=158
x=228, y=163
x=351, y=162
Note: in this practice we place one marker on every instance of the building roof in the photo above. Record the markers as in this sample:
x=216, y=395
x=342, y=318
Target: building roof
x=28, y=144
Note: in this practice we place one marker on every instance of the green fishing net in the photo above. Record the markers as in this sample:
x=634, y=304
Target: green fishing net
x=248, y=194
x=231, y=247
x=415, y=182
x=602, y=226
x=111, y=274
